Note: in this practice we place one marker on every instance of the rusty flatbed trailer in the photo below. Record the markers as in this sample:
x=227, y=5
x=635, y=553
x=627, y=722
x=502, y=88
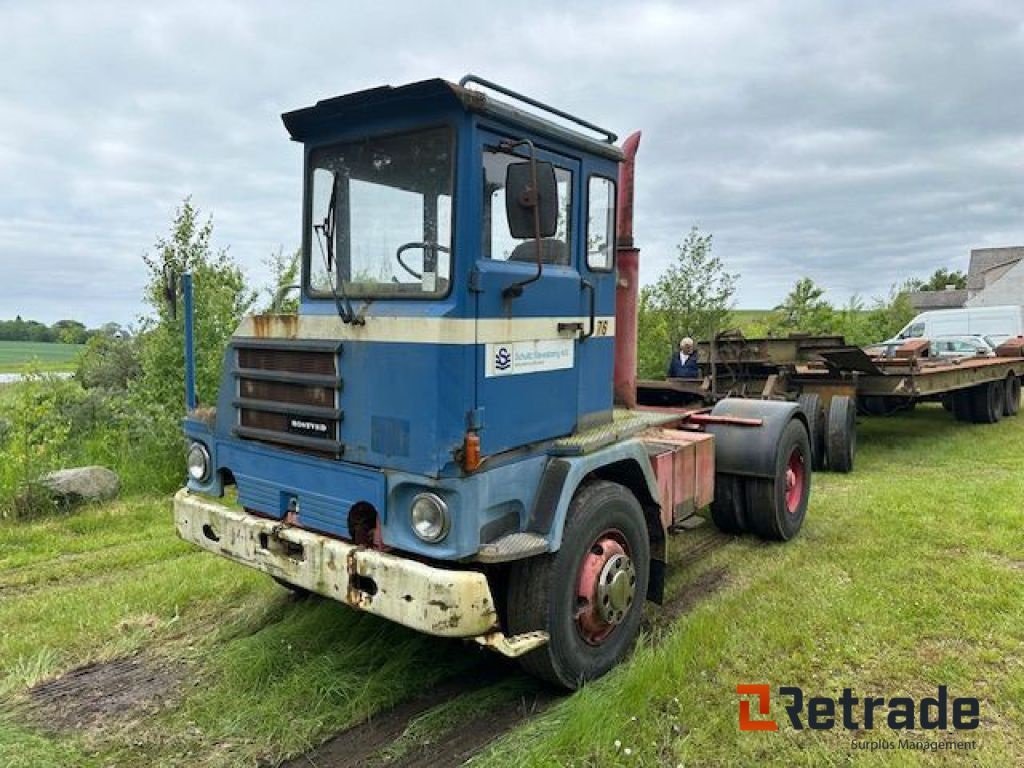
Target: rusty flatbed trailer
x=818, y=370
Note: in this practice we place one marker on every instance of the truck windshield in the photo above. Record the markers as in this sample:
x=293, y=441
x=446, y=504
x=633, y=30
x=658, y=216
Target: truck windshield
x=379, y=217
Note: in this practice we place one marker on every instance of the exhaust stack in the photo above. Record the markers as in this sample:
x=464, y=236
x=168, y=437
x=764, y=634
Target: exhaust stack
x=627, y=286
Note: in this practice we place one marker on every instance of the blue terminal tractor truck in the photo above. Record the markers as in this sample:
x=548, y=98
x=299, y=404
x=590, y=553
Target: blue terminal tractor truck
x=446, y=434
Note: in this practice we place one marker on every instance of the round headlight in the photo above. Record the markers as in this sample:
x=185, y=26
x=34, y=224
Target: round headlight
x=429, y=517
x=198, y=462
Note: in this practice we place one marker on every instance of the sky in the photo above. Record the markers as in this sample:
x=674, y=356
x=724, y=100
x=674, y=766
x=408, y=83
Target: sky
x=858, y=144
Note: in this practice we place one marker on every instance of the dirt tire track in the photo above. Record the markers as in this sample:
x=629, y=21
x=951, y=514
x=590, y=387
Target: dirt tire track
x=362, y=746
x=356, y=746
x=473, y=736
x=124, y=688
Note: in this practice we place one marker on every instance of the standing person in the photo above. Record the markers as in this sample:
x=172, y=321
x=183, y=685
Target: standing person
x=684, y=364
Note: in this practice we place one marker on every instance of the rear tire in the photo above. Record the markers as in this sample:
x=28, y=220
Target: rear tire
x=776, y=507
x=728, y=509
x=963, y=404
x=1012, y=404
x=987, y=402
x=815, y=412
x=606, y=555
x=841, y=434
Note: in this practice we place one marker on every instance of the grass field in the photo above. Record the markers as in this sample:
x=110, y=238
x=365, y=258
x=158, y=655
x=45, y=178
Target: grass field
x=15, y=355
x=908, y=574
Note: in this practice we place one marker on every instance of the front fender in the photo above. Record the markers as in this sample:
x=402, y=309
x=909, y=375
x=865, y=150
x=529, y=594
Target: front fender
x=563, y=475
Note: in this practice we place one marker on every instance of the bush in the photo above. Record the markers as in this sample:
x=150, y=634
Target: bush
x=36, y=436
x=109, y=363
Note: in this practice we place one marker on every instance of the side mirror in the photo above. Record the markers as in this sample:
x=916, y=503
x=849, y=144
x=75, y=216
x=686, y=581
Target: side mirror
x=170, y=288
x=522, y=198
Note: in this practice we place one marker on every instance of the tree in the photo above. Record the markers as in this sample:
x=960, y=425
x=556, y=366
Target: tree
x=221, y=299
x=69, y=332
x=693, y=297
x=284, y=271
x=942, y=277
x=805, y=310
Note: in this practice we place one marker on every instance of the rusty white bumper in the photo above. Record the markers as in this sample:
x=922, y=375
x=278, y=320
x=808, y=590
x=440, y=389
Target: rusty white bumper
x=433, y=600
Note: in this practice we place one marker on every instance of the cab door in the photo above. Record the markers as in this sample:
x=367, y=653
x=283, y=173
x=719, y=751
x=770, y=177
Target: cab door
x=527, y=386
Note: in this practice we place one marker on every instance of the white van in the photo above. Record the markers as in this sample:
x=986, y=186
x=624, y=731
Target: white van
x=998, y=323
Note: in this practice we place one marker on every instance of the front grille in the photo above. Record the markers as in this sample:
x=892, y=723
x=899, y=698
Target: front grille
x=287, y=395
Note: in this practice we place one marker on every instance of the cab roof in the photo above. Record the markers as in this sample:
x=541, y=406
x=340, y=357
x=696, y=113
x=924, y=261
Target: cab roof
x=389, y=101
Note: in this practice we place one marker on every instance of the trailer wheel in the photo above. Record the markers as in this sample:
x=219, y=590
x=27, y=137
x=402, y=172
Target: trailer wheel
x=947, y=402
x=963, y=404
x=841, y=434
x=987, y=402
x=815, y=412
x=728, y=508
x=776, y=507
x=1012, y=404
x=589, y=595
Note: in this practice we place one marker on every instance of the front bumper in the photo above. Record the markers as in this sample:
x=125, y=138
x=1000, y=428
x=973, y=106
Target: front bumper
x=437, y=601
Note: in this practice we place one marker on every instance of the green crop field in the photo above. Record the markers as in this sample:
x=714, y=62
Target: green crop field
x=908, y=575
x=15, y=355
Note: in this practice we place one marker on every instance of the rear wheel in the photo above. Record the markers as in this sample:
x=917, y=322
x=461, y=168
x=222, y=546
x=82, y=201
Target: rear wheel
x=841, y=434
x=1012, y=404
x=815, y=412
x=776, y=506
x=589, y=595
x=963, y=404
x=987, y=402
x=728, y=509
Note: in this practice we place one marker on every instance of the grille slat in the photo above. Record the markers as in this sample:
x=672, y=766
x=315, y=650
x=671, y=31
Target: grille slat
x=291, y=360
x=288, y=397
x=284, y=392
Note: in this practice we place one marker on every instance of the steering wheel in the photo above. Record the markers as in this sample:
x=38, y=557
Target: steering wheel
x=426, y=248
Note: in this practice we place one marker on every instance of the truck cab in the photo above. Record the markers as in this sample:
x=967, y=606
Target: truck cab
x=433, y=437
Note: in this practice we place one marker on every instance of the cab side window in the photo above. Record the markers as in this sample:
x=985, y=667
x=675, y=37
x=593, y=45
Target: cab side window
x=498, y=243
x=600, y=223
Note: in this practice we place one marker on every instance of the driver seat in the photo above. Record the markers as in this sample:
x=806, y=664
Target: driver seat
x=552, y=251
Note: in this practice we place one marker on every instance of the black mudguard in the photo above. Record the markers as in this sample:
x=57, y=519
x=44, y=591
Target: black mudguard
x=748, y=450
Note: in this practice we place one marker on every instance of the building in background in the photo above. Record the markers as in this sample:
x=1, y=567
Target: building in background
x=995, y=277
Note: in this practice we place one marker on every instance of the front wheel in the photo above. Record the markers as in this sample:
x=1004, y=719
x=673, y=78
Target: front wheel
x=589, y=595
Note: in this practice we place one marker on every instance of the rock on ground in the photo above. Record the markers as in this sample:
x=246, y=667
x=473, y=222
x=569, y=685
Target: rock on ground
x=82, y=484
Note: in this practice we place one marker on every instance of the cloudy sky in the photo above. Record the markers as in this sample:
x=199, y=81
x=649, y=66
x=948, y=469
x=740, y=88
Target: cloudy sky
x=855, y=143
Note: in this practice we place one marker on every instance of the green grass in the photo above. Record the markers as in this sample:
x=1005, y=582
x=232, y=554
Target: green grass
x=752, y=322
x=909, y=573
x=15, y=355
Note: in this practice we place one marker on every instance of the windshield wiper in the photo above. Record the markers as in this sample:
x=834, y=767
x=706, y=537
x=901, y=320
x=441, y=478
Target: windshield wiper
x=326, y=228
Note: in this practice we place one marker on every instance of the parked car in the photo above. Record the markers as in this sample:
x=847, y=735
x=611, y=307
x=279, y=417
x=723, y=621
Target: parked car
x=961, y=346
x=965, y=345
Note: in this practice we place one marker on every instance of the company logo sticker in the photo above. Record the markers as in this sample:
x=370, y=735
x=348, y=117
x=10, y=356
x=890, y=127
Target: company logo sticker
x=519, y=357
x=502, y=359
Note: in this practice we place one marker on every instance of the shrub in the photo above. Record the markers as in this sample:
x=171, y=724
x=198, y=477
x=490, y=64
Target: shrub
x=109, y=363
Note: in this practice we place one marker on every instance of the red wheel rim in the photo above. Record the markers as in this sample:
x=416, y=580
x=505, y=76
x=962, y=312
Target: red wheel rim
x=605, y=587
x=795, y=473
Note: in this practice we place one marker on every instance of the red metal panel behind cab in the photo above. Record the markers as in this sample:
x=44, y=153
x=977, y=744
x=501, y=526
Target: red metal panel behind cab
x=684, y=465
